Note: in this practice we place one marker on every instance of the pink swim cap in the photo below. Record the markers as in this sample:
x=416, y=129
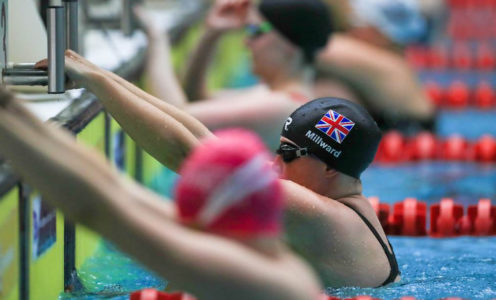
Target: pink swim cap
x=228, y=187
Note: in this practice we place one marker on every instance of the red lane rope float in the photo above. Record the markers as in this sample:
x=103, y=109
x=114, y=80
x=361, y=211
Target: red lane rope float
x=395, y=148
x=409, y=218
x=458, y=95
x=381, y=210
x=461, y=56
x=152, y=294
x=447, y=218
x=485, y=149
x=482, y=218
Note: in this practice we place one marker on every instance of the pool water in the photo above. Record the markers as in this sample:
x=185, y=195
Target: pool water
x=438, y=268
x=435, y=268
x=109, y=274
x=431, y=268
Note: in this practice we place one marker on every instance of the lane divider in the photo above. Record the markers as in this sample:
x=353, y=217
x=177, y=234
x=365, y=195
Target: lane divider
x=459, y=55
x=395, y=148
x=460, y=95
x=447, y=218
x=151, y=294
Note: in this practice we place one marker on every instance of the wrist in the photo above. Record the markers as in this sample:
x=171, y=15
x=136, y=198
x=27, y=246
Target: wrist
x=92, y=79
x=214, y=33
x=154, y=34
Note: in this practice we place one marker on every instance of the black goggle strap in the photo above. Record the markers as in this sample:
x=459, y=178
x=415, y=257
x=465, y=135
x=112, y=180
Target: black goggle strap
x=291, y=152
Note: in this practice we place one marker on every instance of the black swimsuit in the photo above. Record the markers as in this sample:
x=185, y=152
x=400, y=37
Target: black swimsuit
x=390, y=255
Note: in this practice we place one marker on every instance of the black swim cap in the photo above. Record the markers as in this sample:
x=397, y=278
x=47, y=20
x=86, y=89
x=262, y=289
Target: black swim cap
x=305, y=23
x=338, y=132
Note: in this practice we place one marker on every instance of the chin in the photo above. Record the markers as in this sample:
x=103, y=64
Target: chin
x=256, y=70
x=260, y=72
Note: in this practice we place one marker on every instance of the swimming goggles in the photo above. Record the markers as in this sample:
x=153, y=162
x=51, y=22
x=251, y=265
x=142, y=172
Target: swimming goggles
x=254, y=31
x=289, y=152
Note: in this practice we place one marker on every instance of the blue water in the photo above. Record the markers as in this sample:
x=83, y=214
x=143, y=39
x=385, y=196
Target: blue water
x=109, y=274
x=438, y=268
x=466, y=183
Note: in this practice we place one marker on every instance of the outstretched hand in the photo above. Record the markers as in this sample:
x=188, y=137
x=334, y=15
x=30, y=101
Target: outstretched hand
x=228, y=15
x=77, y=68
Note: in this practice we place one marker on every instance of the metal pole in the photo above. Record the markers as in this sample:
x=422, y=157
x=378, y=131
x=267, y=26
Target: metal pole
x=56, y=49
x=24, y=72
x=71, y=21
x=21, y=66
x=127, y=20
x=25, y=80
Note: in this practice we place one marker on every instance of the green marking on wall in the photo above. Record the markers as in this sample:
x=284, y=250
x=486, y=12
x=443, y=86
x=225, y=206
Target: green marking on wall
x=151, y=168
x=130, y=158
x=9, y=246
x=86, y=240
x=41, y=284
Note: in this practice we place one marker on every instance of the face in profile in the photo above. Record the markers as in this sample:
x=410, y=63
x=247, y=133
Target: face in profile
x=269, y=50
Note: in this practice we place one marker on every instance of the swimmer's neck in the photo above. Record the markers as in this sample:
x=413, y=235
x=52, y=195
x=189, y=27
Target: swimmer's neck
x=344, y=187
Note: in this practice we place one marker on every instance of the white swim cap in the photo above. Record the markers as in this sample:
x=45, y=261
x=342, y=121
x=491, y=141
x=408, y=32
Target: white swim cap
x=400, y=20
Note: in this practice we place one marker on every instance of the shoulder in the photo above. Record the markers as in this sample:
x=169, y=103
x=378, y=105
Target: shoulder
x=343, y=46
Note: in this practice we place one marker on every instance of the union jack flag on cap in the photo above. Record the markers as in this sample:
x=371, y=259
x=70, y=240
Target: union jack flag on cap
x=335, y=125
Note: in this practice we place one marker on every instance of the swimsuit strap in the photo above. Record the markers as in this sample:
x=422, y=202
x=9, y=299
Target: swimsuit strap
x=390, y=255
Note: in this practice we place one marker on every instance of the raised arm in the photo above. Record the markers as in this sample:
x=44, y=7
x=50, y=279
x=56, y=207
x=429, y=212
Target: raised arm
x=225, y=15
x=161, y=79
x=51, y=160
x=81, y=184
x=164, y=131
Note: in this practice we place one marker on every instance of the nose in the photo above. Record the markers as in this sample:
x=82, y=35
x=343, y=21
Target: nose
x=278, y=165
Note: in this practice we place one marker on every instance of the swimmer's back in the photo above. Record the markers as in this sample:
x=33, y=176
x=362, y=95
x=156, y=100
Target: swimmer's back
x=334, y=239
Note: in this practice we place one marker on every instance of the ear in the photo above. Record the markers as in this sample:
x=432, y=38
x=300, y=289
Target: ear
x=330, y=172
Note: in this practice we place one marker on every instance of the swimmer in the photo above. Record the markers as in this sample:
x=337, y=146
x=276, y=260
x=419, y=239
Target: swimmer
x=368, y=58
x=283, y=54
x=347, y=67
x=222, y=244
x=328, y=220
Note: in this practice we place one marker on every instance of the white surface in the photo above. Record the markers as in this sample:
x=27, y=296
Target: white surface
x=27, y=35
x=48, y=107
x=112, y=50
